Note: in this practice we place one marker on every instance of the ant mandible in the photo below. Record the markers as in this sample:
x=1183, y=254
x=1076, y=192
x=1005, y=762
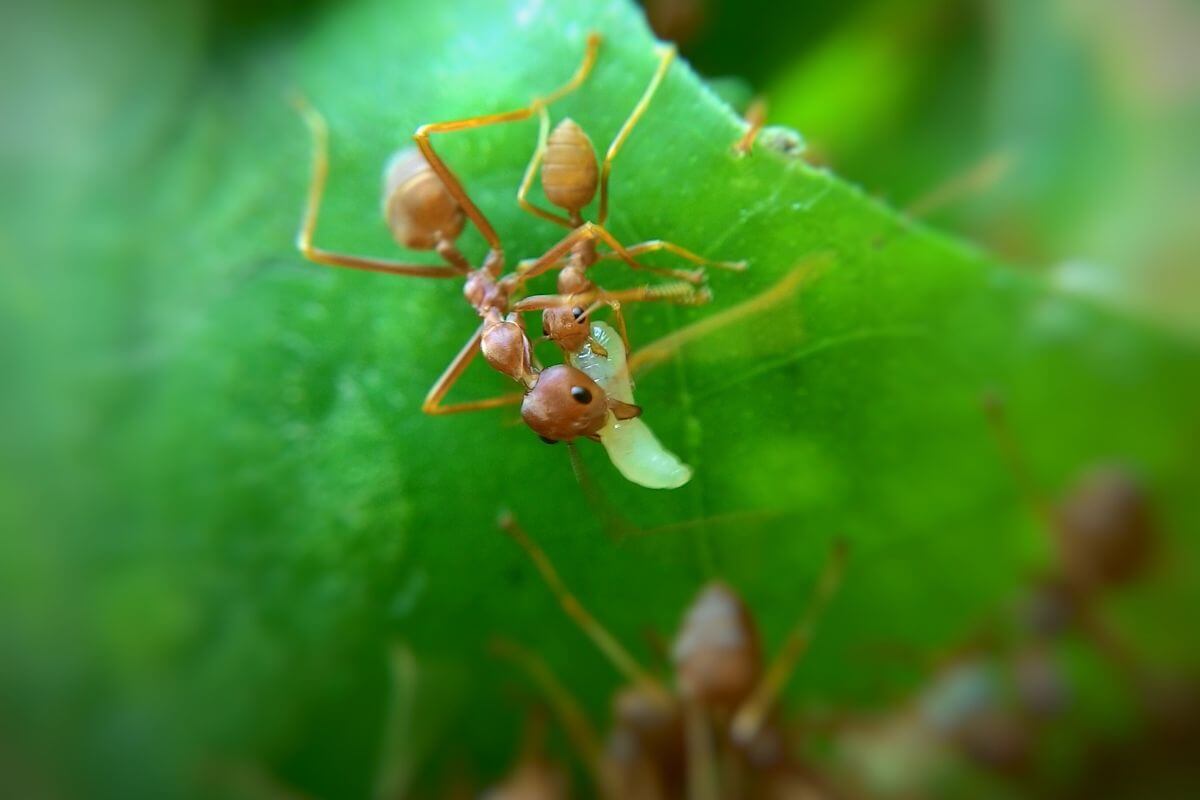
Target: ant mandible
x=424, y=205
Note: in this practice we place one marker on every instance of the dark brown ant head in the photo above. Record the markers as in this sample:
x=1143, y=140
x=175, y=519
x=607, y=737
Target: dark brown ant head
x=506, y=348
x=718, y=658
x=566, y=326
x=570, y=174
x=565, y=404
x=1105, y=531
x=419, y=210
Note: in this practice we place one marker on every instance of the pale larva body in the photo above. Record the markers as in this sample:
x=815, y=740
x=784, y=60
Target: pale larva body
x=634, y=449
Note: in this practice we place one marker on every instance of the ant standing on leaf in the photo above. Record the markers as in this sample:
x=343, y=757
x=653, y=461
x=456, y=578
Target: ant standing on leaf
x=668, y=743
x=424, y=204
x=571, y=176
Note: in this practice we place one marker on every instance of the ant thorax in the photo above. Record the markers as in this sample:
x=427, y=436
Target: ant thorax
x=573, y=279
x=485, y=293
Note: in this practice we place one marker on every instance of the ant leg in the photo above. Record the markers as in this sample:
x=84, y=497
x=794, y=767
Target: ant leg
x=604, y=641
x=655, y=353
x=621, y=252
x=681, y=293
x=570, y=715
x=316, y=190
x=749, y=717
x=666, y=54
x=453, y=184
x=654, y=245
x=756, y=117
x=619, y=318
x=531, y=170
x=433, y=400
x=993, y=407
x=589, y=231
x=702, y=781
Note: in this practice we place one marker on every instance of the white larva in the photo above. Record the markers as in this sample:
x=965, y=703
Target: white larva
x=635, y=451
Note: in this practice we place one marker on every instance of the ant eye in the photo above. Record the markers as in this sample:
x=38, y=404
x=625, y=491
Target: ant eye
x=548, y=440
x=577, y=312
x=581, y=395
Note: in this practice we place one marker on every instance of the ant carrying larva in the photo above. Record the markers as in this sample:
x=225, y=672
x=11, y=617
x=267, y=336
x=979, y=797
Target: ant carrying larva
x=425, y=207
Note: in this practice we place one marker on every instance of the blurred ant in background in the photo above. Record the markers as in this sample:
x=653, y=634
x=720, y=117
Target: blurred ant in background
x=992, y=700
x=715, y=734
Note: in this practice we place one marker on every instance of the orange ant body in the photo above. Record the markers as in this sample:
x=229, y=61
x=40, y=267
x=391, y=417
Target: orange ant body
x=1103, y=535
x=571, y=176
x=425, y=204
x=662, y=742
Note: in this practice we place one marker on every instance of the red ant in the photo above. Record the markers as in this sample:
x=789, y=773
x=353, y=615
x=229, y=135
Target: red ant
x=424, y=205
x=662, y=742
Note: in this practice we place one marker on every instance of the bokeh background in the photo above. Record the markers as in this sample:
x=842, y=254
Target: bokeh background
x=235, y=560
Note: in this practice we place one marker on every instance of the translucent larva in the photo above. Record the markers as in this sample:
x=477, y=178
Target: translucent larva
x=635, y=451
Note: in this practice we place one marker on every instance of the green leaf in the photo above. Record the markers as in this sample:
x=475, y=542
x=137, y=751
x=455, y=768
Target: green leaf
x=236, y=510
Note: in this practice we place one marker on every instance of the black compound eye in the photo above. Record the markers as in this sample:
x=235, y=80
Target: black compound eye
x=577, y=313
x=581, y=395
x=548, y=440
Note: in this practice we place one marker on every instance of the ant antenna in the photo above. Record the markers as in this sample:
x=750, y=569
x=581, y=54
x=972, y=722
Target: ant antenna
x=749, y=718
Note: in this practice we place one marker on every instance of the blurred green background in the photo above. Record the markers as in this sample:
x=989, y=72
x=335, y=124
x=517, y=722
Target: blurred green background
x=225, y=522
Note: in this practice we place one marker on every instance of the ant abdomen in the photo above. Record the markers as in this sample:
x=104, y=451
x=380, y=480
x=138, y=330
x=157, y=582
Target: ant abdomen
x=569, y=171
x=717, y=654
x=418, y=208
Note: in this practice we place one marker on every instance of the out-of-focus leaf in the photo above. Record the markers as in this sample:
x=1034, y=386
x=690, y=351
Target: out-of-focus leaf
x=223, y=546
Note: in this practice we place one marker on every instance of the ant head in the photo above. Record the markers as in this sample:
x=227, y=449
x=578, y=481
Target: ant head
x=1105, y=531
x=506, y=348
x=566, y=326
x=565, y=404
x=718, y=658
x=570, y=174
x=419, y=210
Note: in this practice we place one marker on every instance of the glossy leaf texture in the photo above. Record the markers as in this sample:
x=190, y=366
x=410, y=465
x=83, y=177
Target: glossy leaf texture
x=235, y=520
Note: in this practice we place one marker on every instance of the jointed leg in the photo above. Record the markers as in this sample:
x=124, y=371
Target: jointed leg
x=654, y=245
x=453, y=185
x=666, y=54
x=604, y=641
x=659, y=351
x=531, y=170
x=749, y=718
x=316, y=190
x=701, y=776
x=1014, y=460
x=679, y=293
x=433, y=400
x=756, y=117
x=528, y=270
